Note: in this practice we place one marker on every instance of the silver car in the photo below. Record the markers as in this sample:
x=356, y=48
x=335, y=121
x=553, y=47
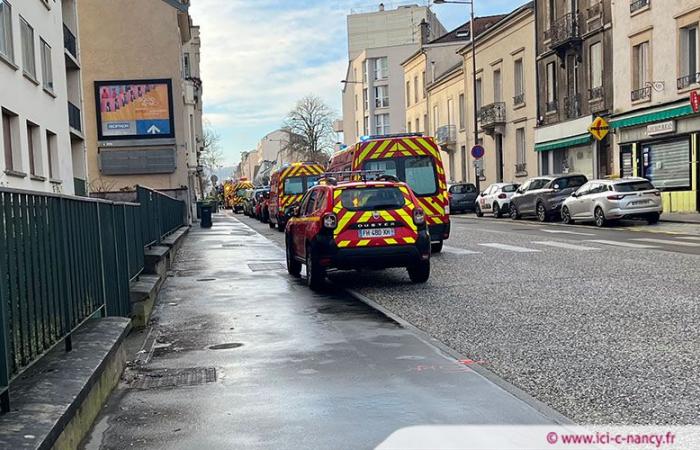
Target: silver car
x=601, y=201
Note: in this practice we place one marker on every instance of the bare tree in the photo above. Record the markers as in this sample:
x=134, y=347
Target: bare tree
x=211, y=157
x=310, y=127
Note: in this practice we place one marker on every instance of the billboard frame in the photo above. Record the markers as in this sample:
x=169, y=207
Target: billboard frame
x=98, y=109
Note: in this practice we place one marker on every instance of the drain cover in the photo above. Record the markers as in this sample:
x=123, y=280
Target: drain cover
x=193, y=376
x=227, y=346
x=261, y=267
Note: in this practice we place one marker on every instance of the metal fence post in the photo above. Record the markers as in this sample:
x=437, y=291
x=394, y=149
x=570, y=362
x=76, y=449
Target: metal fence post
x=66, y=264
x=103, y=279
x=4, y=300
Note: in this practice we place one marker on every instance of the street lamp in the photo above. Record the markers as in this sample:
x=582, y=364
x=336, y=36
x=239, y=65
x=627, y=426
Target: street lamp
x=473, y=44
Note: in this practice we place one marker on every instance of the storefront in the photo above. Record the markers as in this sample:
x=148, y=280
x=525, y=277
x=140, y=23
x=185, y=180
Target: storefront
x=661, y=144
x=569, y=148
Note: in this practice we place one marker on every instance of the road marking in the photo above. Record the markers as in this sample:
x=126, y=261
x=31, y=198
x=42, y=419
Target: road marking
x=690, y=238
x=511, y=248
x=668, y=242
x=568, y=232
x=459, y=251
x=565, y=246
x=620, y=244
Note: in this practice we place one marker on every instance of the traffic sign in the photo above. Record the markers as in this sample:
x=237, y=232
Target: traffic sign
x=478, y=152
x=599, y=128
x=695, y=101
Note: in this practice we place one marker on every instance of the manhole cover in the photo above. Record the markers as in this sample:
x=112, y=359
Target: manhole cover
x=227, y=346
x=194, y=376
x=260, y=267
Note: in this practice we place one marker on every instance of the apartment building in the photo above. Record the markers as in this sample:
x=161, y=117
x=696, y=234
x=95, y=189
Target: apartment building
x=40, y=135
x=136, y=128
x=193, y=110
x=506, y=99
x=574, y=45
x=656, y=69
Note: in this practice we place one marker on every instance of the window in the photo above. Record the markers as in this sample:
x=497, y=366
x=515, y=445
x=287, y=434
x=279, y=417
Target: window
x=187, y=67
x=6, y=30
x=415, y=89
x=382, y=124
x=497, y=97
x=551, y=87
x=463, y=152
x=28, y=56
x=634, y=186
x=294, y=186
x=34, y=147
x=408, y=93
x=436, y=118
x=641, y=65
x=552, y=12
x=478, y=94
x=386, y=166
x=310, y=203
x=422, y=77
x=450, y=112
x=365, y=129
x=462, y=111
x=372, y=199
x=420, y=175
x=689, y=55
x=417, y=125
x=381, y=68
x=520, y=146
x=357, y=127
x=381, y=96
x=52, y=155
x=408, y=127
x=46, y=66
x=365, y=98
x=519, y=82
x=365, y=71
x=425, y=124
x=596, y=65
x=10, y=141
x=356, y=102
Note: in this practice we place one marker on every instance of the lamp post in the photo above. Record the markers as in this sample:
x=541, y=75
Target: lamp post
x=473, y=49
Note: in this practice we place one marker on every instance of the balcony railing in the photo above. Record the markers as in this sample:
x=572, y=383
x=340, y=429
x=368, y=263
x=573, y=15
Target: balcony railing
x=564, y=31
x=74, y=117
x=69, y=42
x=596, y=93
x=596, y=10
x=641, y=94
x=493, y=114
x=447, y=135
x=573, y=106
x=519, y=99
x=636, y=5
x=688, y=80
x=552, y=106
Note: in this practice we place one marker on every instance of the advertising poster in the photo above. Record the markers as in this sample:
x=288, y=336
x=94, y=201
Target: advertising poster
x=135, y=109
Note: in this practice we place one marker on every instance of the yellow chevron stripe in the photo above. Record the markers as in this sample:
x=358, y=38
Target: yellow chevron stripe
x=407, y=219
x=378, y=152
x=366, y=152
x=336, y=194
x=363, y=243
x=343, y=222
x=386, y=216
x=409, y=240
x=431, y=148
x=364, y=217
x=343, y=244
x=391, y=241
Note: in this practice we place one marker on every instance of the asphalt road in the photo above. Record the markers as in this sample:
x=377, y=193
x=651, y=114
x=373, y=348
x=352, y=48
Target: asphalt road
x=600, y=324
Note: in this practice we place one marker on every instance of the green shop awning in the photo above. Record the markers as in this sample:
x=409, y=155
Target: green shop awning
x=574, y=141
x=653, y=116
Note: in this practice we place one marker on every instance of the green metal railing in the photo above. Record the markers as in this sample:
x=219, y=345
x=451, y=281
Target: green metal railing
x=160, y=214
x=64, y=260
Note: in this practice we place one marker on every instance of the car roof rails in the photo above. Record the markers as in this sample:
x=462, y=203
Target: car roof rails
x=390, y=136
x=358, y=175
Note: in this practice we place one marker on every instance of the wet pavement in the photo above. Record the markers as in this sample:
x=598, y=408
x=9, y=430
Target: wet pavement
x=241, y=355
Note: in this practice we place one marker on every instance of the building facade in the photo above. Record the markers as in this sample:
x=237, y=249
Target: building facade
x=574, y=46
x=41, y=97
x=193, y=111
x=655, y=71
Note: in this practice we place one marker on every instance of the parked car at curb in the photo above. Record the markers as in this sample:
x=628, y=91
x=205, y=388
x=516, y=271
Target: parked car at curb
x=462, y=197
x=248, y=202
x=542, y=197
x=260, y=196
x=602, y=201
x=495, y=199
x=358, y=225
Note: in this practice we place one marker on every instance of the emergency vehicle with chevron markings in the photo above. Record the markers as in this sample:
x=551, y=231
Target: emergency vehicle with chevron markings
x=234, y=193
x=287, y=186
x=413, y=159
x=358, y=225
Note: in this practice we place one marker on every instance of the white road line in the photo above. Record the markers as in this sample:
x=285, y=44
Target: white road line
x=569, y=232
x=668, y=242
x=565, y=246
x=459, y=251
x=620, y=244
x=510, y=248
x=690, y=238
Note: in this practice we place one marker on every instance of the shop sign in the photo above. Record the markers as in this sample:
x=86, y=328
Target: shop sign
x=695, y=101
x=661, y=128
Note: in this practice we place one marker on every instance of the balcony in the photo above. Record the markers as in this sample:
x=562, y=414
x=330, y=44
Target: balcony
x=572, y=105
x=74, y=119
x=521, y=169
x=492, y=116
x=564, y=33
x=552, y=106
x=636, y=5
x=688, y=80
x=519, y=99
x=594, y=16
x=643, y=94
x=446, y=135
x=70, y=44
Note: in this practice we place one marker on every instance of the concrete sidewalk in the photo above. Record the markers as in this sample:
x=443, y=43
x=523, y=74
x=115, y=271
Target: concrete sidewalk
x=246, y=357
x=681, y=218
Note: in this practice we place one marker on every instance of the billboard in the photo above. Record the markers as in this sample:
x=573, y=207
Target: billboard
x=141, y=109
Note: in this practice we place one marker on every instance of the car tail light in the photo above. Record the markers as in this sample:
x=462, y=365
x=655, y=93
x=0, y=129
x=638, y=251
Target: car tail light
x=657, y=193
x=447, y=209
x=615, y=197
x=330, y=221
x=419, y=216
x=503, y=196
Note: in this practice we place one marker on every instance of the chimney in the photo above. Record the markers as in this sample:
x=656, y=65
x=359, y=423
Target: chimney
x=381, y=7
x=424, y=32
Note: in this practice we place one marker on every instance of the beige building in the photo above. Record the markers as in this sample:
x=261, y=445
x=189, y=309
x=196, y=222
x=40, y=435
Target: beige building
x=273, y=151
x=656, y=69
x=506, y=97
x=136, y=128
x=193, y=111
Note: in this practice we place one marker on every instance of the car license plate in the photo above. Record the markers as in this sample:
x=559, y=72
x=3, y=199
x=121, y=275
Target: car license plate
x=376, y=233
x=639, y=203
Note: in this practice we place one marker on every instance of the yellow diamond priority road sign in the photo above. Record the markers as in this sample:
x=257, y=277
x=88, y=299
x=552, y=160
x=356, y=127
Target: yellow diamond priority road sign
x=599, y=128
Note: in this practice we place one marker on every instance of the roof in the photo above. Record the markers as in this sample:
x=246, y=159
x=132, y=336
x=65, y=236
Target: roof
x=462, y=32
x=504, y=18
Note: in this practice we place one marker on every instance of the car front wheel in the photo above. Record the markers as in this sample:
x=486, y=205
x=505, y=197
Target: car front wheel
x=541, y=212
x=514, y=214
x=599, y=216
x=293, y=266
x=419, y=273
x=478, y=211
x=653, y=218
x=315, y=274
x=566, y=216
x=496, y=211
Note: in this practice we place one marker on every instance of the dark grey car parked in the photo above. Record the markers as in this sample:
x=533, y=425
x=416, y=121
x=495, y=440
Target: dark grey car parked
x=543, y=196
x=462, y=197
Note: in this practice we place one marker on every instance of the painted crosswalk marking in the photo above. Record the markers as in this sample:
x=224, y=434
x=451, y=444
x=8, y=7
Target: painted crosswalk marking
x=621, y=244
x=566, y=246
x=576, y=233
x=459, y=251
x=510, y=248
x=668, y=242
x=690, y=238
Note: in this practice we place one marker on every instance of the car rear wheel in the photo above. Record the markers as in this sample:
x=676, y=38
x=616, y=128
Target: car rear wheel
x=280, y=226
x=293, y=266
x=514, y=214
x=315, y=274
x=541, y=212
x=478, y=211
x=271, y=225
x=653, y=218
x=436, y=247
x=496, y=211
x=419, y=273
x=566, y=216
x=599, y=216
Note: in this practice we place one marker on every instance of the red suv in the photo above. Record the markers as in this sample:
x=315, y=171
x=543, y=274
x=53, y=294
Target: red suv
x=358, y=225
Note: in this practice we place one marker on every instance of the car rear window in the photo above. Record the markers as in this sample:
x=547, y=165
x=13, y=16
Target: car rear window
x=510, y=188
x=570, y=182
x=372, y=199
x=463, y=189
x=635, y=186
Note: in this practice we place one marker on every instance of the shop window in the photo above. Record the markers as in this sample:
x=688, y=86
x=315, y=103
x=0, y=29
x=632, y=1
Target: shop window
x=667, y=165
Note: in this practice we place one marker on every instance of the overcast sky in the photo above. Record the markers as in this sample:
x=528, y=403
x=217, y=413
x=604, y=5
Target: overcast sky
x=260, y=56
